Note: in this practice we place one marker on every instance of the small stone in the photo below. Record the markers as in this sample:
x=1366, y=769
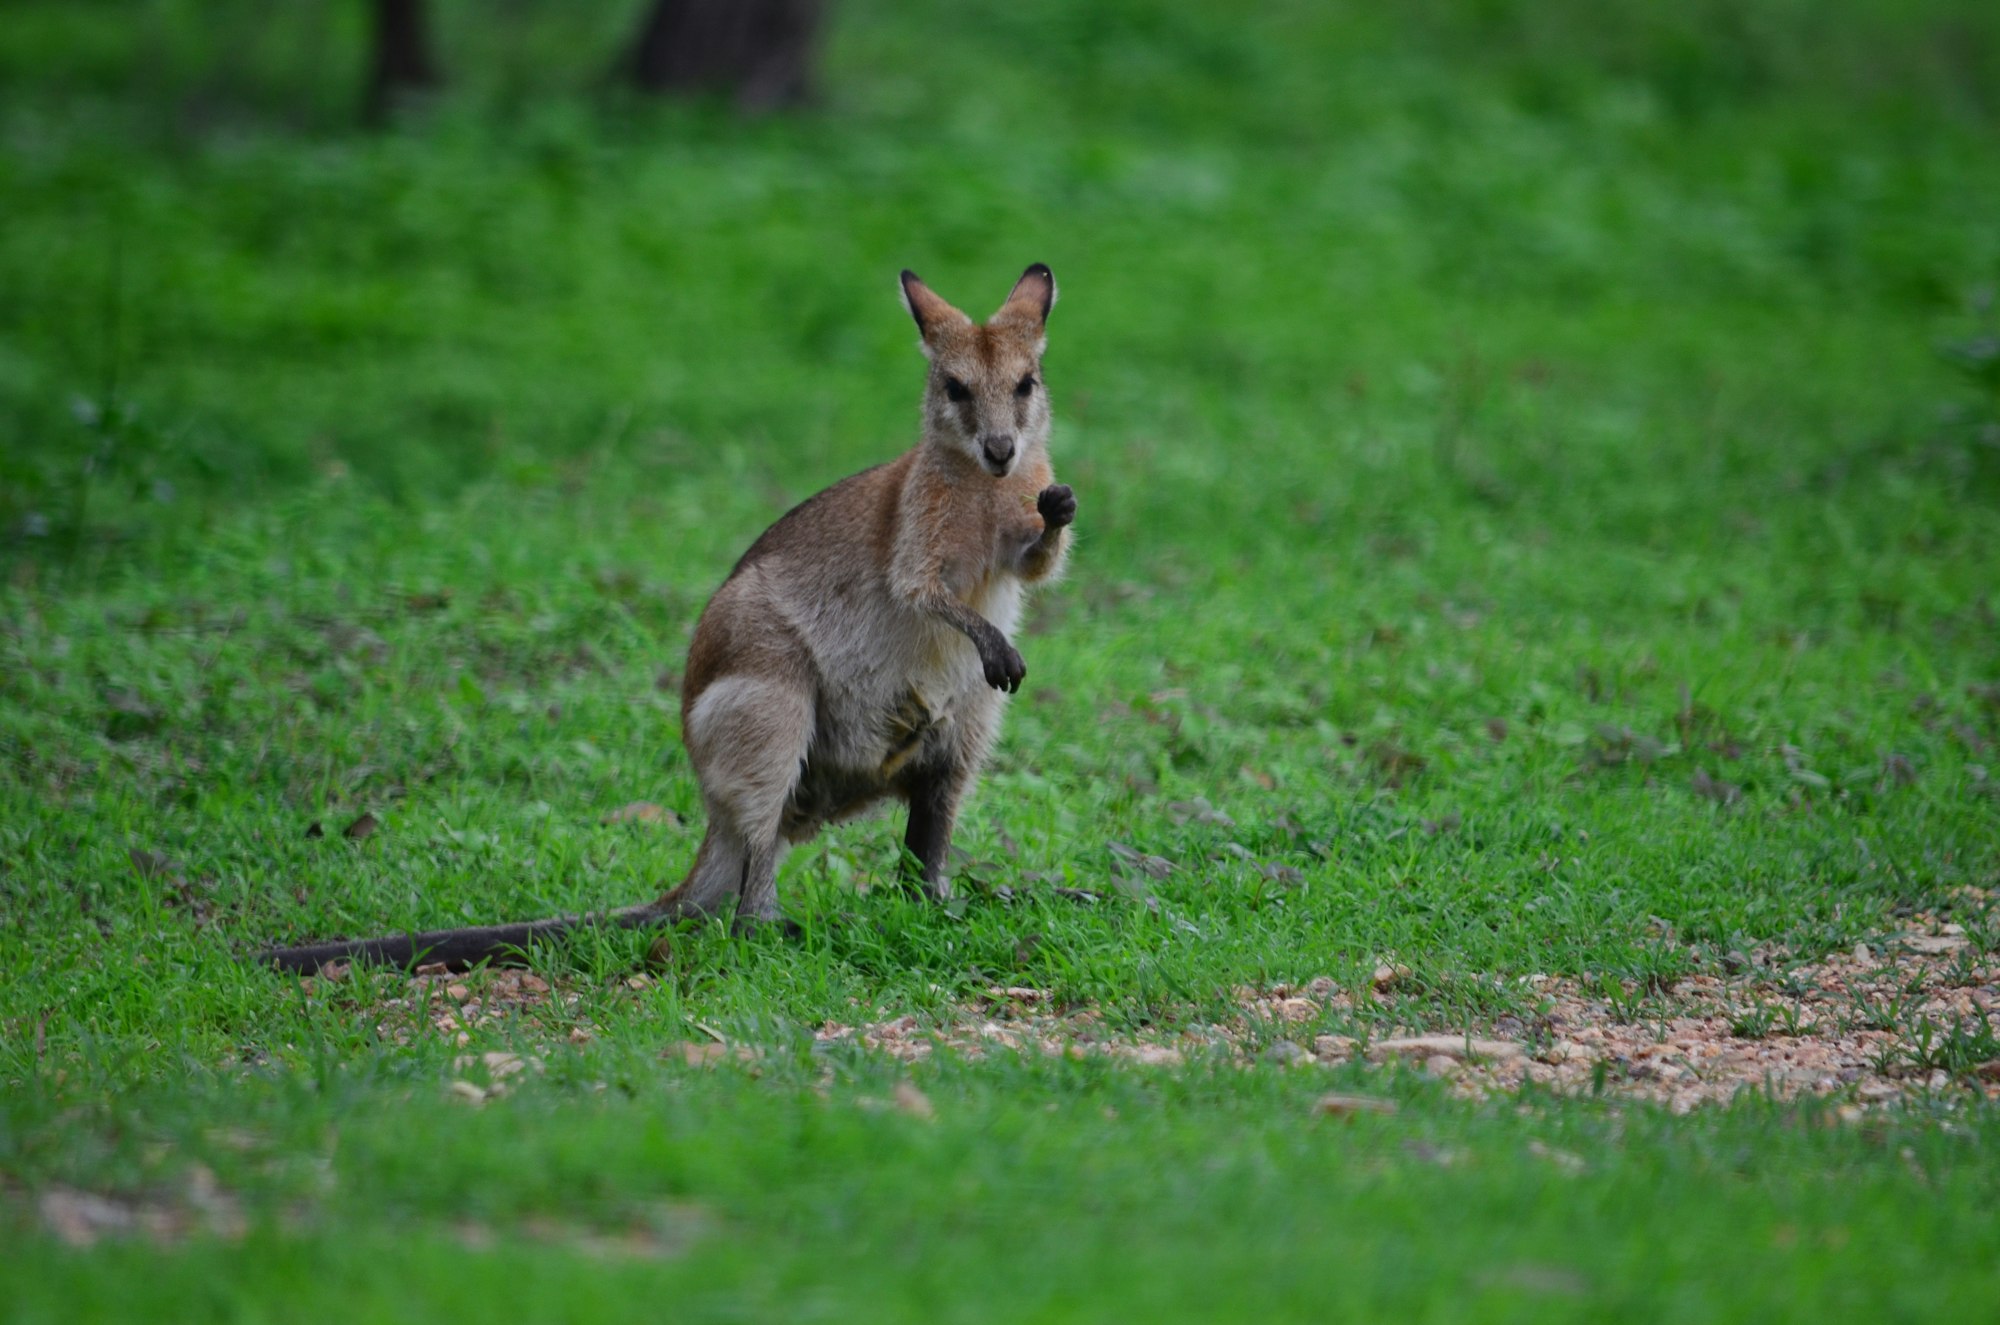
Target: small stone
x=1388, y=975
x=1932, y=945
x=1440, y=1065
x=1018, y=994
x=499, y=1065
x=1286, y=1053
x=1338, y=1048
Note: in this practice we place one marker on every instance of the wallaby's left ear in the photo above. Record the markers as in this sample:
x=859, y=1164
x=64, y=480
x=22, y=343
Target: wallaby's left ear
x=1033, y=296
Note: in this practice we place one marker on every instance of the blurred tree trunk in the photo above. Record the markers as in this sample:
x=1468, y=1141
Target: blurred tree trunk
x=403, y=63
x=758, y=51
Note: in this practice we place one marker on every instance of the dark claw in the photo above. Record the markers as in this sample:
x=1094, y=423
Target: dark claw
x=1057, y=505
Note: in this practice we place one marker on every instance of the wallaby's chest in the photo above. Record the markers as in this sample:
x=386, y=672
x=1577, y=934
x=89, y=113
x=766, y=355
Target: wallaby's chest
x=897, y=686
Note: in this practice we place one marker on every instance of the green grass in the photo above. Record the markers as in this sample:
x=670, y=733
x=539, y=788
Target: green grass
x=1521, y=488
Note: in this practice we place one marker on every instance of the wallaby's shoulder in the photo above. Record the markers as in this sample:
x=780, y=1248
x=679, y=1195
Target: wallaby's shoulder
x=860, y=512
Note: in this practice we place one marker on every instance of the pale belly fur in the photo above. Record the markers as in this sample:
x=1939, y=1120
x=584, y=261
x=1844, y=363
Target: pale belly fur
x=919, y=690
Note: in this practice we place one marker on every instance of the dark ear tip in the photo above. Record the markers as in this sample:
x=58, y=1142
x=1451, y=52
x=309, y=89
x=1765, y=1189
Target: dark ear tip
x=1039, y=269
x=910, y=276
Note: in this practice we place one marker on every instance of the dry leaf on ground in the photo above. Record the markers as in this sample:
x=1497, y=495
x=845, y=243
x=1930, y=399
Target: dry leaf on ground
x=1337, y=1105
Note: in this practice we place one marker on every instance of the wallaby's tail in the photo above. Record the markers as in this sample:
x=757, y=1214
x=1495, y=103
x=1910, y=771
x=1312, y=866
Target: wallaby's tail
x=458, y=949
x=709, y=888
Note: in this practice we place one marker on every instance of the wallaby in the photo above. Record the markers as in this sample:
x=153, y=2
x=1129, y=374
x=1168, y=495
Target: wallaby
x=861, y=648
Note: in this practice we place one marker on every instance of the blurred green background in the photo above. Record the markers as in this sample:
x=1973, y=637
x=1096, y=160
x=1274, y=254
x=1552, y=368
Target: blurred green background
x=1338, y=232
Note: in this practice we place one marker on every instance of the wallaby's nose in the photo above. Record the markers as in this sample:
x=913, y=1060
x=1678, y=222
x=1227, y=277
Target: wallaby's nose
x=999, y=448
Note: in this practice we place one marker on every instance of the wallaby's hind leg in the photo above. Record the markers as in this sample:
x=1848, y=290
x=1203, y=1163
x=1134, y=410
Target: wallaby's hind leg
x=714, y=881
x=934, y=796
x=936, y=785
x=748, y=737
x=757, y=903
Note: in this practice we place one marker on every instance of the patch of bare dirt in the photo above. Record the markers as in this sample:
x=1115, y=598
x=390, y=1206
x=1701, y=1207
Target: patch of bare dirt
x=1869, y=1024
x=199, y=1208
x=1914, y=1011
x=1873, y=1022
x=1011, y=1019
x=661, y=1231
x=435, y=1001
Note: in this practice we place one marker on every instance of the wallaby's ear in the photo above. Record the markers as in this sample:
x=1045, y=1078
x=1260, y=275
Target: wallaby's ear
x=932, y=313
x=1032, y=298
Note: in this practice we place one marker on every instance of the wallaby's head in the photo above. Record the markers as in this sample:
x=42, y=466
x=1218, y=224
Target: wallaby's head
x=985, y=397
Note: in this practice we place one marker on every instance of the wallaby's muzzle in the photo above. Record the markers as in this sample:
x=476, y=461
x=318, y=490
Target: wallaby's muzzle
x=999, y=451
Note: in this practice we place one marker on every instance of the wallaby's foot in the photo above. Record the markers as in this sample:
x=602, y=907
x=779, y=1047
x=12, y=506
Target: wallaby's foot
x=750, y=927
x=927, y=890
x=1057, y=505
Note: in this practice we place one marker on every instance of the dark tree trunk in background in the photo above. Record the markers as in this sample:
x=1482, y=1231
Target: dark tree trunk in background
x=403, y=63
x=757, y=51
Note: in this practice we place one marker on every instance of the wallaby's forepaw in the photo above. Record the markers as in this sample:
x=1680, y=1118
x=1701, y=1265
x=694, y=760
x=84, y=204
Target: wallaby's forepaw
x=1004, y=668
x=1057, y=505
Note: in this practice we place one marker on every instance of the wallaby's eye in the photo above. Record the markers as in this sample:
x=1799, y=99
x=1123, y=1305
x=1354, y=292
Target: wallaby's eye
x=1027, y=386
x=956, y=389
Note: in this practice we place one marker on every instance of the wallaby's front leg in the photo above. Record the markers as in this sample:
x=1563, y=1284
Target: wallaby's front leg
x=1057, y=507
x=1000, y=660
x=925, y=575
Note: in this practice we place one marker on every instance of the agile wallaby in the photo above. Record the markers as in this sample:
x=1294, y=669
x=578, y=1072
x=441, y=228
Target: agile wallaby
x=860, y=649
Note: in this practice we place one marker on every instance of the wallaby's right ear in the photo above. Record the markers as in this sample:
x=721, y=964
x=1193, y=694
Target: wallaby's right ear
x=931, y=313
